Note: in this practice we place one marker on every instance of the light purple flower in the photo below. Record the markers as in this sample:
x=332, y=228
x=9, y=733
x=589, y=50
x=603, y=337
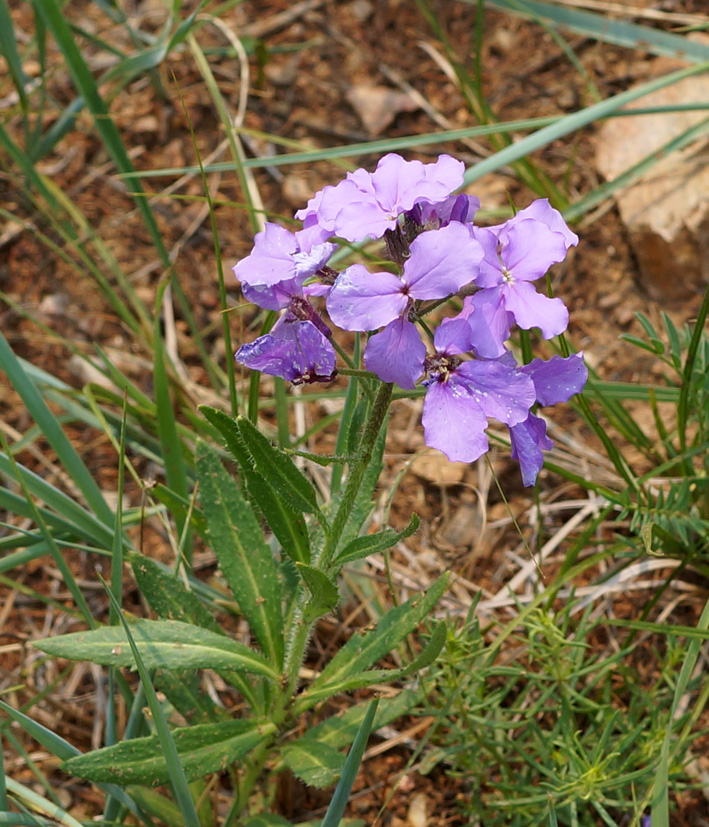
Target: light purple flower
x=517, y=253
x=555, y=380
x=461, y=395
x=366, y=205
x=280, y=255
x=441, y=262
x=295, y=350
x=396, y=354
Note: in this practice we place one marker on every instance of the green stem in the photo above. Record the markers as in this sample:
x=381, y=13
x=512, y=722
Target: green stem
x=377, y=414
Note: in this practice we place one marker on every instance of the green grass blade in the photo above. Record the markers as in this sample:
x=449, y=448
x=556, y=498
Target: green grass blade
x=339, y=799
x=8, y=49
x=47, y=422
x=604, y=28
x=575, y=121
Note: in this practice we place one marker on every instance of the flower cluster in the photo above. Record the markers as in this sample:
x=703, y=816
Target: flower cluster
x=436, y=253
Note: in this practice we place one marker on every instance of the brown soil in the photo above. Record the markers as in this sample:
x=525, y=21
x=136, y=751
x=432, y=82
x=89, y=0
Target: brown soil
x=311, y=56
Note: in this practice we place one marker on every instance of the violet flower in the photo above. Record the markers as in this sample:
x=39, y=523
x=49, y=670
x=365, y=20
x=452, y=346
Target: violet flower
x=461, y=395
x=441, y=262
x=295, y=349
x=555, y=380
x=365, y=205
x=280, y=255
x=517, y=253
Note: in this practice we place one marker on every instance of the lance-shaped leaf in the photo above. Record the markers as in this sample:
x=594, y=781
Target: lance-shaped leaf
x=278, y=469
x=317, y=764
x=244, y=556
x=162, y=644
x=203, y=749
x=370, y=677
x=288, y=525
x=168, y=597
x=324, y=594
x=372, y=543
x=367, y=647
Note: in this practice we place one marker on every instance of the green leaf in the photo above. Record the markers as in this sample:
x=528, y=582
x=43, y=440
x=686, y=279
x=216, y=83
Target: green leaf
x=244, y=556
x=202, y=749
x=168, y=597
x=316, y=764
x=366, y=647
x=163, y=644
x=339, y=800
x=325, y=595
x=373, y=543
x=339, y=730
x=278, y=469
x=288, y=526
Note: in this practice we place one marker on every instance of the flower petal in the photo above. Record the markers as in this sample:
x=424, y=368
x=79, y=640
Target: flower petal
x=501, y=391
x=442, y=261
x=533, y=309
x=271, y=260
x=528, y=438
x=396, y=354
x=294, y=350
x=360, y=300
x=557, y=379
x=453, y=422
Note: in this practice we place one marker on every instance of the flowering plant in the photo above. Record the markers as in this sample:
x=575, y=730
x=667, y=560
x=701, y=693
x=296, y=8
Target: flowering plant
x=437, y=253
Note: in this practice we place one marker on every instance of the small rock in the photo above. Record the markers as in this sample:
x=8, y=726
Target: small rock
x=377, y=106
x=666, y=212
x=436, y=468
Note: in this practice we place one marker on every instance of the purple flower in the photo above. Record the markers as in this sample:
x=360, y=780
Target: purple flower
x=461, y=395
x=441, y=262
x=295, y=350
x=460, y=208
x=280, y=255
x=367, y=204
x=555, y=380
x=516, y=253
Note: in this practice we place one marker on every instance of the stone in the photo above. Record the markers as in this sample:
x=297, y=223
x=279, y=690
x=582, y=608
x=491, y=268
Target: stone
x=665, y=211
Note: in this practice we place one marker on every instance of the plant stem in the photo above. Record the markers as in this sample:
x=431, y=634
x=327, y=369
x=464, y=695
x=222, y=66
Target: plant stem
x=377, y=414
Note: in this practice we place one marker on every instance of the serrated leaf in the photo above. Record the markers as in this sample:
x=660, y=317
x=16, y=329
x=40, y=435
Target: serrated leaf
x=365, y=648
x=324, y=593
x=315, y=763
x=168, y=597
x=278, y=469
x=163, y=644
x=372, y=543
x=288, y=526
x=244, y=556
x=203, y=749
